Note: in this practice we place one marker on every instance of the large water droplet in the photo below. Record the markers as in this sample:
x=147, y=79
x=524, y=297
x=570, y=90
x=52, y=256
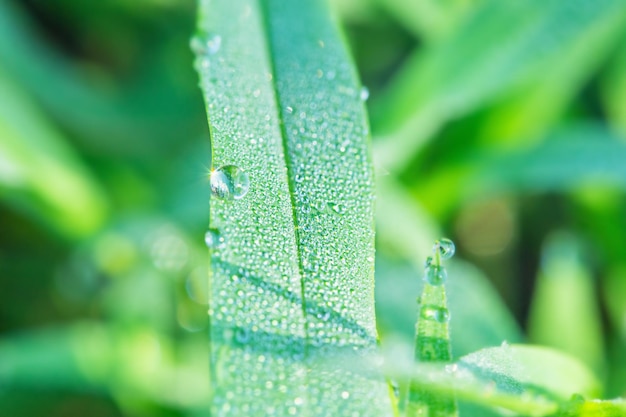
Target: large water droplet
x=445, y=247
x=213, y=238
x=229, y=182
x=364, y=94
x=435, y=275
x=438, y=314
x=206, y=43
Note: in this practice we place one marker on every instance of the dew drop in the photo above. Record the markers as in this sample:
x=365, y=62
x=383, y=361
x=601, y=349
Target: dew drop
x=364, y=94
x=428, y=262
x=213, y=238
x=229, y=182
x=435, y=275
x=438, y=314
x=445, y=247
x=206, y=43
x=289, y=109
x=337, y=208
x=242, y=336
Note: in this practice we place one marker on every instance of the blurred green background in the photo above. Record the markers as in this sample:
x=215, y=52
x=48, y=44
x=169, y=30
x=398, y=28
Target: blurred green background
x=500, y=124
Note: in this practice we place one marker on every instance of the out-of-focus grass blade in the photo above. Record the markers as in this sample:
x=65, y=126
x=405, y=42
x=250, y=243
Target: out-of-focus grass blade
x=498, y=47
x=39, y=172
x=564, y=314
x=527, y=380
x=535, y=108
x=427, y=19
x=569, y=158
x=91, y=357
x=292, y=258
x=613, y=88
x=117, y=117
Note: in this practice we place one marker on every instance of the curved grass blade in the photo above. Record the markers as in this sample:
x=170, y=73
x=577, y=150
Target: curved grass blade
x=292, y=251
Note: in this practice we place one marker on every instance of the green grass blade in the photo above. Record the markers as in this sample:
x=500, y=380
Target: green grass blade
x=432, y=340
x=564, y=312
x=40, y=174
x=498, y=47
x=292, y=259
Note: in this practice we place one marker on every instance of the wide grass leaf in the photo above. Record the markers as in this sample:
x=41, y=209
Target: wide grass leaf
x=292, y=237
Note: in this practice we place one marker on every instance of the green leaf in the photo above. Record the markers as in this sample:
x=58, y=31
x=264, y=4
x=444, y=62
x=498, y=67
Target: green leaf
x=527, y=380
x=40, y=174
x=292, y=257
x=498, y=47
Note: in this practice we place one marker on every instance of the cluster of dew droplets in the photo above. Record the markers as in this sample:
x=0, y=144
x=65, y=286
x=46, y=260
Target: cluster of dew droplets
x=435, y=274
x=205, y=44
x=228, y=182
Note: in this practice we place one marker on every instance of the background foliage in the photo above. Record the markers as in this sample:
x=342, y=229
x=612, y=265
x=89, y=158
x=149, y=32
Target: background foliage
x=499, y=124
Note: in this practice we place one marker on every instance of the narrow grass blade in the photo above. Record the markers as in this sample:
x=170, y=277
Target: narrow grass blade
x=432, y=340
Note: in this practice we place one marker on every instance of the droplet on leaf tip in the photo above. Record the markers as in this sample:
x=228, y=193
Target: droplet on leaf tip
x=445, y=247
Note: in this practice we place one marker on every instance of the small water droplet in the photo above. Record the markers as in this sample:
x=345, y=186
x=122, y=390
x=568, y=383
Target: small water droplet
x=242, y=335
x=337, y=208
x=428, y=262
x=319, y=206
x=213, y=238
x=445, y=247
x=438, y=314
x=345, y=395
x=206, y=43
x=435, y=275
x=364, y=94
x=289, y=109
x=452, y=368
x=229, y=182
